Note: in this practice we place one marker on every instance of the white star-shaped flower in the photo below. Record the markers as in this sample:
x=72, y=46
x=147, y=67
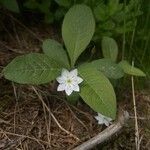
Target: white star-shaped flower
x=68, y=81
x=103, y=119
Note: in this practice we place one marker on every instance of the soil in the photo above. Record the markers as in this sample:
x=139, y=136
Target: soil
x=26, y=115
x=36, y=118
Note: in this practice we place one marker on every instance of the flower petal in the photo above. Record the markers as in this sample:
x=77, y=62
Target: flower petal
x=74, y=72
x=69, y=81
x=64, y=72
x=108, y=119
x=68, y=91
x=60, y=79
x=100, y=122
x=79, y=80
x=100, y=115
x=76, y=87
x=99, y=119
x=106, y=123
x=103, y=119
x=61, y=87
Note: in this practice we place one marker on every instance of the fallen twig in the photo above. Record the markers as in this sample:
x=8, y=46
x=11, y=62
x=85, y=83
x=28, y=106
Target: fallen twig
x=137, y=137
x=14, y=143
x=56, y=121
x=22, y=137
x=106, y=134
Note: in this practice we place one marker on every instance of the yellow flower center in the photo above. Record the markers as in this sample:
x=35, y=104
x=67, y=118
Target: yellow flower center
x=69, y=81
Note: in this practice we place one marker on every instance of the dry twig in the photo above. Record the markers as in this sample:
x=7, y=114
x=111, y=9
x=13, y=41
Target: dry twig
x=137, y=138
x=11, y=49
x=56, y=121
x=14, y=143
x=106, y=134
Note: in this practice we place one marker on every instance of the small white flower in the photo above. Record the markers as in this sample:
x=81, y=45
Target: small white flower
x=68, y=81
x=103, y=119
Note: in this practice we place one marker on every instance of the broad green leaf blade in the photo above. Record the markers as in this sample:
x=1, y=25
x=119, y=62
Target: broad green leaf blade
x=128, y=69
x=109, y=48
x=55, y=51
x=32, y=68
x=77, y=30
x=109, y=68
x=11, y=5
x=97, y=91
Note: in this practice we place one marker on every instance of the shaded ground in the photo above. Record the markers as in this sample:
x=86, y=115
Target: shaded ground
x=28, y=116
x=126, y=139
x=27, y=124
x=36, y=118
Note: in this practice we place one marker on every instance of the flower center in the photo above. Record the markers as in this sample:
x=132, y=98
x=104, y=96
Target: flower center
x=69, y=81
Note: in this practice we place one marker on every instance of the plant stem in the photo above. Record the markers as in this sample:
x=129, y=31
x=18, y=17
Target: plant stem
x=124, y=35
x=135, y=114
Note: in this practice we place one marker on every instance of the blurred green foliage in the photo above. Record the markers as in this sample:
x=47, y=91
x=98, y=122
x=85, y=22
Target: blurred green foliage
x=127, y=21
x=11, y=5
x=110, y=15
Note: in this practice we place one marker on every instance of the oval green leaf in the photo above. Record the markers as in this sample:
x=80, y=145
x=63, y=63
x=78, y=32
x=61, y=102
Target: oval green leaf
x=109, y=48
x=97, y=91
x=109, y=68
x=32, y=68
x=129, y=69
x=55, y=51
x=77, y=30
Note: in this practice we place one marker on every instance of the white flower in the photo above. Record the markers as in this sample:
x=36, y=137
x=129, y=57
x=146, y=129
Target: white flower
x=68, y=81
x=103, y=119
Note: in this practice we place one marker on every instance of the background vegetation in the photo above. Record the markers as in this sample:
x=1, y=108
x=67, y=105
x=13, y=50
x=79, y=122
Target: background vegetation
x=126, y=21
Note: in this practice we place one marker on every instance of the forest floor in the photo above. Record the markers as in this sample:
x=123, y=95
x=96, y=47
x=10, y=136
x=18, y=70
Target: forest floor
x=36, y=118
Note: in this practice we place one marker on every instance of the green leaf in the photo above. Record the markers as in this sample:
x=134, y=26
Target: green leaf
x=109, y=68
x=77, y=30
x=113, y=6
x=32, y=68
x=55, y=51
x=59, y=13
x=119, y=17
x=128, y=69
x=11, y=5
x=101, y=12
x=97, y=91
x=109, y=48
x=108, y=25
x=129, y=26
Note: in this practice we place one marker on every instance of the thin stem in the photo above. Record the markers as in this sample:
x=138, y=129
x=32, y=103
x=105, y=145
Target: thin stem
x=124, y=34
x=133, y=33
x=135, y=114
